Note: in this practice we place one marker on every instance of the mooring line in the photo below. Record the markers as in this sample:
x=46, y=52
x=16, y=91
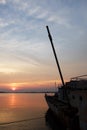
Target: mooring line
x=6, y=123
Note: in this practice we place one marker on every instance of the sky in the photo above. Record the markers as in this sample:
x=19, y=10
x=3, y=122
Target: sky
x=26, y=57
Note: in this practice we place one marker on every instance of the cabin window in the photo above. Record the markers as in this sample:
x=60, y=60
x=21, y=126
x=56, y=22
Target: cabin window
x=80, y=98
x=73, y=97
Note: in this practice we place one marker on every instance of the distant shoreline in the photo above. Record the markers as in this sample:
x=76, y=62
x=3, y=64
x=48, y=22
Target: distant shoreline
x=28, y=92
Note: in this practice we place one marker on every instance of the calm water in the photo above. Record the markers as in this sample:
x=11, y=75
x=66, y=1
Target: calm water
x=24, y=112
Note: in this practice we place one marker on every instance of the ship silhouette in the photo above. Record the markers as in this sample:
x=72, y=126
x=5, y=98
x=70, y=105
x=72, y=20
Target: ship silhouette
x=70, y=101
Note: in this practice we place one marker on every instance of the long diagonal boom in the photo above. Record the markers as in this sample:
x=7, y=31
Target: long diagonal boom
x=55, y=55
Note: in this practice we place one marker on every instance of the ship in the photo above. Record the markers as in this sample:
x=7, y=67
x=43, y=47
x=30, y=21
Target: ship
x=70, y=101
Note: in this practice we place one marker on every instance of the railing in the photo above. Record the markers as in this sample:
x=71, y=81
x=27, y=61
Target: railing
x=81, y=77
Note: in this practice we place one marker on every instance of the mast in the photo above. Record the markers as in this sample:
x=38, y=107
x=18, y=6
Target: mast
x=55, y=55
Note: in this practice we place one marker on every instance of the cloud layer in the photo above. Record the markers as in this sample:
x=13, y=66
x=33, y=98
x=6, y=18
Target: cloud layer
x=25, y=49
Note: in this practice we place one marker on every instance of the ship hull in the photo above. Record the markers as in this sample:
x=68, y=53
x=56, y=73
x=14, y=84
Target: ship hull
x=78, y=99
x=62, y=111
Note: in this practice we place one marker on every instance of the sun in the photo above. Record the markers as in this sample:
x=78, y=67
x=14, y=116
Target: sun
x=13, y=88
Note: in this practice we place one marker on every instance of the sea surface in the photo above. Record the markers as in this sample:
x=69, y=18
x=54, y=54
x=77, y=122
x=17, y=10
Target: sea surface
x=25, y=111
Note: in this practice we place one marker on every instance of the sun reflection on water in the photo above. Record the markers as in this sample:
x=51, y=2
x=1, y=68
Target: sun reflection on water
x=15, y=107
x=13, y=100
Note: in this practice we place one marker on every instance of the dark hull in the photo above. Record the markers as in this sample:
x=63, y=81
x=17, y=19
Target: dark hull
x=62, y=110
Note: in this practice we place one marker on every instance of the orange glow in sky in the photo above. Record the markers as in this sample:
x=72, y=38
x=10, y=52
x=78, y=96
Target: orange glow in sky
x=13, y=86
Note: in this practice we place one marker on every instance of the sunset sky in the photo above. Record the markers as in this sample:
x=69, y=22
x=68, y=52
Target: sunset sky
x=26, y=57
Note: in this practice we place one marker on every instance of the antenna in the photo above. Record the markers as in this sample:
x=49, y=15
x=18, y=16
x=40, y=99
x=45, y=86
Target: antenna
x=55, y=55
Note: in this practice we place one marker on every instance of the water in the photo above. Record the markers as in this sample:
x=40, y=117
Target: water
x=24, y=112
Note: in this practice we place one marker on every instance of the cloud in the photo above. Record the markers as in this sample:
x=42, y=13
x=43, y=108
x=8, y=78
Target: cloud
x=39, y=12
x=33, y=11
x=23, y=35
x=2, y=1
x=59, y=20
x=4, y=23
